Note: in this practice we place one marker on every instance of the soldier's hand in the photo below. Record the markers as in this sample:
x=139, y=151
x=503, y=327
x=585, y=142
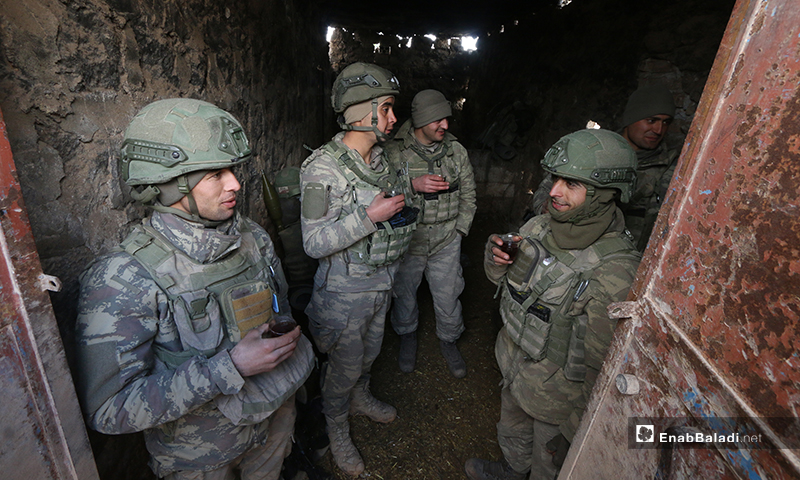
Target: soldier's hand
x=430, y=183
x=382, y=208
x=558, y=447
x=499, y=257
x=254, y=355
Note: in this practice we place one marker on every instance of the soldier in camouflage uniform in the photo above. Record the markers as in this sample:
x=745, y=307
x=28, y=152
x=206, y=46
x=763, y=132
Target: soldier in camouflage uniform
x=647, y=117
x=356, y=222
x=572, y=263
x=170, y=324
x=444, y=191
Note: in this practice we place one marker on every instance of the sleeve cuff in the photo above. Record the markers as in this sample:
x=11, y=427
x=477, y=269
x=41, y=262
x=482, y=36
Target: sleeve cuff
x=369, y=225
x=224, y=373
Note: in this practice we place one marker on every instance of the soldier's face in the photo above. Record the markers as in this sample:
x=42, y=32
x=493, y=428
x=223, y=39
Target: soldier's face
x=432, y=132
x=215, y=195
x=567, y=194
x=386, y=118
x=647, y=133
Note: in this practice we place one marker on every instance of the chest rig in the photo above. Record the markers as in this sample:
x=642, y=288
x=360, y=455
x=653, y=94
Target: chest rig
x=213, y=306
x=391, y=240
x=436, y=207
x=543, y=302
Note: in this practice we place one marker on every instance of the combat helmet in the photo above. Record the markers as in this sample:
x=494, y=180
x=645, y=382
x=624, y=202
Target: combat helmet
x=358, y=83
x=287, y=182
x=176, y=139
x=595, y=157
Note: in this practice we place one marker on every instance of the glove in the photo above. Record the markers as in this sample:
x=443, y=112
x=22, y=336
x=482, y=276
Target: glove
x=558, y=447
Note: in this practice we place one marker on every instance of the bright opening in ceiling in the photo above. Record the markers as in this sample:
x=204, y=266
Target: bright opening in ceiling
x=468, y=44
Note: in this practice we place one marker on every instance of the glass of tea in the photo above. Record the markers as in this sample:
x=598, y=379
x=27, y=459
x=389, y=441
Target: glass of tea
x=393, y=191
x=279, y=326
x=510, y=244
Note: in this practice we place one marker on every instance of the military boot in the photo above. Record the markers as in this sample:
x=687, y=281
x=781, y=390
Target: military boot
x=407, y=358
x=453, y=358
x=363, y=403
x=344, y=452
x=478, y=469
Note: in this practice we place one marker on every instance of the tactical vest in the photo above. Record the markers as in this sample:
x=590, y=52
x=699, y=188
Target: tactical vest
x=388, y=243
x=213, y=306
x=437, y=207
x=542, y=304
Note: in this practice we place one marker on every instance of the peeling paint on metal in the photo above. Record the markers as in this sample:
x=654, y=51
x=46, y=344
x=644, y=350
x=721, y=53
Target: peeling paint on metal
x=719, y=292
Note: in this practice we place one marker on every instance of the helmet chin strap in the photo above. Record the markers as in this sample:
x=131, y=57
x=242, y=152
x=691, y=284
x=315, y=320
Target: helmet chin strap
x=183, y=187
x=589, y=191
x=382, y=137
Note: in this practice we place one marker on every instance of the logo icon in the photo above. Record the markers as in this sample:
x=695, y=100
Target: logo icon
x=645, y=433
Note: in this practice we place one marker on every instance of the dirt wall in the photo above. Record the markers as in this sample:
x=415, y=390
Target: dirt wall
x=73, y=74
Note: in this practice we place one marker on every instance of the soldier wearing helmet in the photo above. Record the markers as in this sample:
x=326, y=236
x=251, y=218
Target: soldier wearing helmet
x=646, y=120
x=571, y=264
x=355, y=220
x=444, y=191
x=174, y=327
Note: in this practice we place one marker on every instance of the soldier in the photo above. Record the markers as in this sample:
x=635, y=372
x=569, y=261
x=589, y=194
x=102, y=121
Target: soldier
x=571, y=264
x=298, y=266
x=444, y=191
x=356, y=222
x=170, y=324
x=647, y=117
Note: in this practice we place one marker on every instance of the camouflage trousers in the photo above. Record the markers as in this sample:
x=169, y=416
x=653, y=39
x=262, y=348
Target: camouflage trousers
x=446, y=281
x=349, y=328
x=262, y=462
x=522, y=439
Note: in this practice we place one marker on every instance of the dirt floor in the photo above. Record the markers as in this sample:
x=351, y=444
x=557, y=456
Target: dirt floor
x=442, y=421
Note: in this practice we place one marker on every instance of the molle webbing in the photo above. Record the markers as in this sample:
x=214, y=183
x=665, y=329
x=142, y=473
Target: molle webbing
x=199, y=289
x=554, y=334
x=435, y=195
x=151, y=249
x=432, y=159
x=387, y=244
x=343, y=157
x=442, y=206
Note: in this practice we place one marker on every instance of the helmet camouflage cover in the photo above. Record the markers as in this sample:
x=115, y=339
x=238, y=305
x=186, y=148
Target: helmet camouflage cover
x=287, y=182
x=173, y=137
x=361, y=82
x=600, y=158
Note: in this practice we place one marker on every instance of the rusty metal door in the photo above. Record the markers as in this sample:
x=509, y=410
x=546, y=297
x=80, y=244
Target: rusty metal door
x=711, y=337
x=42, y=434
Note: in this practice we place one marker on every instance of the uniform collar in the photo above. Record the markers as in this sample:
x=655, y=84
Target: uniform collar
x=202, y=244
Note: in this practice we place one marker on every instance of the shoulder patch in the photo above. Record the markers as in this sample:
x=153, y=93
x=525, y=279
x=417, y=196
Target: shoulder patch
x=315, y=200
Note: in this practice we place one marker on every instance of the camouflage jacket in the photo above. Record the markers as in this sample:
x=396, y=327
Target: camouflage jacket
x=542, y=387
x=341, y=222
x=431, y=234
x=123, y=318
x=654, y=171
